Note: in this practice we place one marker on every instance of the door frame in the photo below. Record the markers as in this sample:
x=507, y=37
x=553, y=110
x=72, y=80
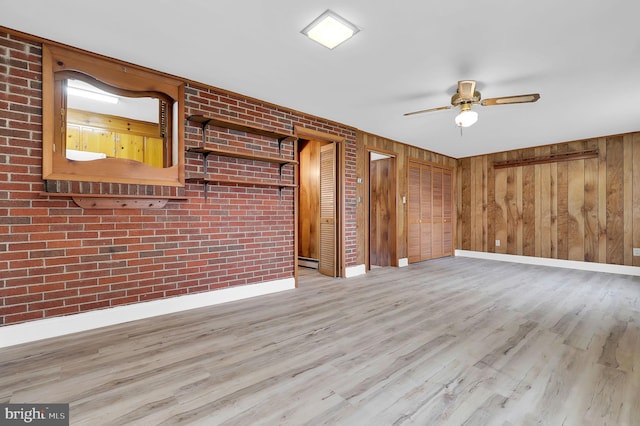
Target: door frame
x=367, y=204
x=339, y=142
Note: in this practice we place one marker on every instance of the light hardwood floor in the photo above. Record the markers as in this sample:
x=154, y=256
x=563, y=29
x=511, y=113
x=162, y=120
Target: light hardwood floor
x=451, y=341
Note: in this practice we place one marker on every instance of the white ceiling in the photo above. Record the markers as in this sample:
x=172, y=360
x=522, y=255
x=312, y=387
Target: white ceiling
x=583, y=57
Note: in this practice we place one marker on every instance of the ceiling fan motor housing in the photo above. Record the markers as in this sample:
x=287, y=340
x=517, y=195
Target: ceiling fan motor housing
x=458, y=99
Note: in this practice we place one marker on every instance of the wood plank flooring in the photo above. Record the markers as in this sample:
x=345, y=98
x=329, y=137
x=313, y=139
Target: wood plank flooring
x=453, y=341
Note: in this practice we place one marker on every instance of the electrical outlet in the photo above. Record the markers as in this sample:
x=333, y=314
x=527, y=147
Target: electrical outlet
x=636, y=251
x=497, y=243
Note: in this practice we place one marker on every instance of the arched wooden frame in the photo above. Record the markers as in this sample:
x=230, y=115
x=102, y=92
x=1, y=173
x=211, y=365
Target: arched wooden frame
x=58, y=65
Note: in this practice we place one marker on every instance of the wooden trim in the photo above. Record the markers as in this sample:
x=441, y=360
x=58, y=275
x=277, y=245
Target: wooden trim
x=545, y=159
x=311, y=134
x=340, y=144
x=111, y=201
x=430, y=163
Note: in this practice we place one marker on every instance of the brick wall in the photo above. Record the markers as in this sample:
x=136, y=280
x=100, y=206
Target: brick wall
x=58, y=259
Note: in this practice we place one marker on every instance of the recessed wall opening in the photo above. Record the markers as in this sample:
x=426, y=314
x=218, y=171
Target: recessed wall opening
x=320, y=226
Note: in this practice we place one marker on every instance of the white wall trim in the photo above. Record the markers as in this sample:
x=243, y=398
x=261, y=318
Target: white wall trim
x=354, y=271
x=403, y=262
x=572, y=264
x=58, y=326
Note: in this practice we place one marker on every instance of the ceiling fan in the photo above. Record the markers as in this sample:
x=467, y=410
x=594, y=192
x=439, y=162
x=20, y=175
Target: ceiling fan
x=466, y=95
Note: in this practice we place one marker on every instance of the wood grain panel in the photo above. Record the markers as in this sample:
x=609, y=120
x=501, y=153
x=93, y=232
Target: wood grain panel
x=627, y=208
x=591, y=224
x=545, y=205
x=563, y=206
x=615, y=200
x=500, y=207
x=466, y=216
x=636, y=196
x=575, y=207
x=528, y=210
x=582, y=209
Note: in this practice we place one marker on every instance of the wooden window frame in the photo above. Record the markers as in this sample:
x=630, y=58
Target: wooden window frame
x=128, y=78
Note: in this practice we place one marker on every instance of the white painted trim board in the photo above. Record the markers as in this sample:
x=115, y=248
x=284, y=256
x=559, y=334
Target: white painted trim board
x=59, y=326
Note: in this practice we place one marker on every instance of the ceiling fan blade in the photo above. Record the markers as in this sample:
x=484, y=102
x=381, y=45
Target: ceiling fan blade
x=428, y=110
x=520, y=99
x=466, y=88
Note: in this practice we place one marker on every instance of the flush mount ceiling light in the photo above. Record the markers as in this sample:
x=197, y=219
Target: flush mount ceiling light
x=330, y=29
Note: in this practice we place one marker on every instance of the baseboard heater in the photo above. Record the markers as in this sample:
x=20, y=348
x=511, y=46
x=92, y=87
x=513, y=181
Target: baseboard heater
x=307, y=262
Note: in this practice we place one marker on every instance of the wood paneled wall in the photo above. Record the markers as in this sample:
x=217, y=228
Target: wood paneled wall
x=585, y=210
x=402, y=152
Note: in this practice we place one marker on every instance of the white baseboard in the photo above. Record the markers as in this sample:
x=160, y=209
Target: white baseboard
x=354, y=271
x=58, y=326
x=572, y=264
x=403, y=262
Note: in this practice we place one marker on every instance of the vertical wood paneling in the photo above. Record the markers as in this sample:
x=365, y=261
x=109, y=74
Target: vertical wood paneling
x=491, y=206
x=466, y=184
x=636, y=196
x=585, y=210
x=528, y=210
x=501, y=209
x=602, y=200
x=575, y=206
x=591, y=224
x=512, y=212
x=545, y=205
x=627, y=209
x=537, y=189
x=615, y=201
x=553, y=205
x=563, y=206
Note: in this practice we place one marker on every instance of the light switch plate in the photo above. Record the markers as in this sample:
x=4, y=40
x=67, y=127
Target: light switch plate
x=497, y=243
x=636, y=251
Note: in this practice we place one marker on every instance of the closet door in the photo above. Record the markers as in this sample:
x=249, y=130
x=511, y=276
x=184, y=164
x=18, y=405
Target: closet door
x=426, y=209
x=430, y=212
x=327, y=261
x=436, y=214
x=414, y=202
x=447, y=213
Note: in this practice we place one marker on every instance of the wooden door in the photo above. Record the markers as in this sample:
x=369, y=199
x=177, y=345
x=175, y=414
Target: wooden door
x=430, y=212
x=414, y=217
x=327, y=259
x=382, y=211
x=437, y=209
x=447, y=213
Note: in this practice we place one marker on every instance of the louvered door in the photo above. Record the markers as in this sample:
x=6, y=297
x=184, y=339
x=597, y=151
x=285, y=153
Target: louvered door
x=430, y=212
x=327, y=260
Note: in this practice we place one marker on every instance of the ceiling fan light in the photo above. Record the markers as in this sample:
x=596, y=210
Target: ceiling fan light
x=466, y=118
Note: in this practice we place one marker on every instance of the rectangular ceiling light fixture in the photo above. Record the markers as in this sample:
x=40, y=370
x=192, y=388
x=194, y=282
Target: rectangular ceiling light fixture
x=330, y=29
